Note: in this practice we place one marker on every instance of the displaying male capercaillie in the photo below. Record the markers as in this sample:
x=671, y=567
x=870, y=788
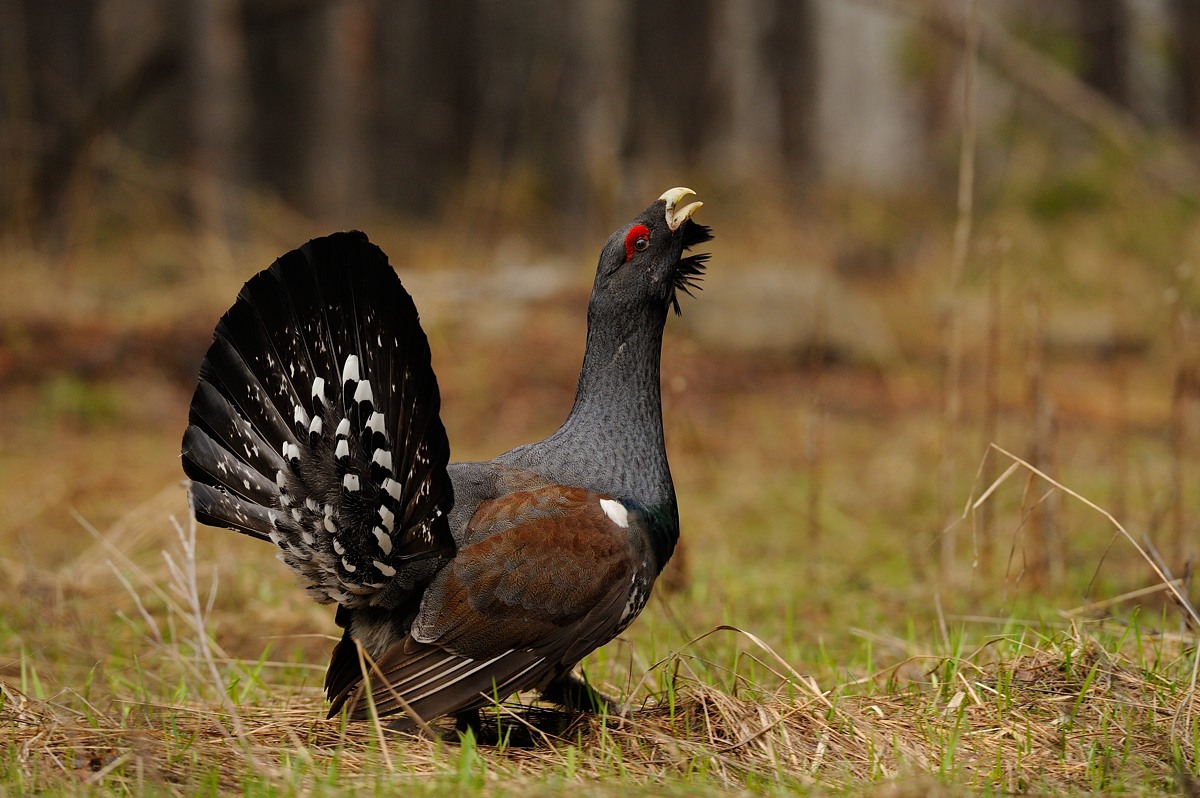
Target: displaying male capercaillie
x=315, y=425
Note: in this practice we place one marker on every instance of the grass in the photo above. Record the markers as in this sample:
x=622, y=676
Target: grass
x=1077, y=704
x=807, y=639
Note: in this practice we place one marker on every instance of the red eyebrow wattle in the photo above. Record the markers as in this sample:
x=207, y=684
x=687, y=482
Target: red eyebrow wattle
x=635, y=232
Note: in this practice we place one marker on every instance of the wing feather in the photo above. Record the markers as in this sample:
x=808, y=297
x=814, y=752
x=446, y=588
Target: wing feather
x=540, y=581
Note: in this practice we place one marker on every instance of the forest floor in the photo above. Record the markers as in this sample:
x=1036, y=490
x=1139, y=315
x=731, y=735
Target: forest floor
x=854, y=609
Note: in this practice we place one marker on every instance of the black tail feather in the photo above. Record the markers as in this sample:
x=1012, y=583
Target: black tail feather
x=215, y=507
x=348, y=476
x=212, y=414
x=225, y=370
x=210, y=462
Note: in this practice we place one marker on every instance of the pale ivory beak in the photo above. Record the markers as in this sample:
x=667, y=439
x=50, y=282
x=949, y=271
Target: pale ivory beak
x=677, y=216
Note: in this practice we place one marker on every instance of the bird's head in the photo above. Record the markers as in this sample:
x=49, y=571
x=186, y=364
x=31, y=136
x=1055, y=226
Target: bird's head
x=643, y=262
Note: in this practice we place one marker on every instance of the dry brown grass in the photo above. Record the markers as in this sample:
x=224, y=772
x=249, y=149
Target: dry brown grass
x=1083, y=706
x=1074, y=715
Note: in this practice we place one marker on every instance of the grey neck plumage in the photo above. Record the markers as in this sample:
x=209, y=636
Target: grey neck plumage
x=612, y=440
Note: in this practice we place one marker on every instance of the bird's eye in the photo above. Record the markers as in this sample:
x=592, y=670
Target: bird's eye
x=636, y=240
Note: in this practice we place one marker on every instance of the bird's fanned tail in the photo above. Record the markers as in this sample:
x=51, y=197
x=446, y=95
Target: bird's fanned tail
x=316, y=425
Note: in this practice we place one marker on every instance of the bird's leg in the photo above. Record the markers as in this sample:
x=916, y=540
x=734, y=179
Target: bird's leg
x=574, y=693
x=468, y=721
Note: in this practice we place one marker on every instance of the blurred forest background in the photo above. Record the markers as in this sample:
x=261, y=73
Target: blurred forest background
x=940, y=225
x=339, y=107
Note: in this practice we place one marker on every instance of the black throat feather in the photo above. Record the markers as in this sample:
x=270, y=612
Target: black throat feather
x=690, y=270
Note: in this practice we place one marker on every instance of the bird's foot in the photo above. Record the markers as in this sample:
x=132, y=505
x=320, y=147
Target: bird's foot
x=574, y=693
x=468, y=721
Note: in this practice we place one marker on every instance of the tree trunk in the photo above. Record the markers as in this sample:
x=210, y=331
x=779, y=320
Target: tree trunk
x=748, y=141
x=599, y=93
x=791, y=49
x=1187, y=25
x=217, y=109
x=1104, y=37
x=868, y=126
x=337, y=189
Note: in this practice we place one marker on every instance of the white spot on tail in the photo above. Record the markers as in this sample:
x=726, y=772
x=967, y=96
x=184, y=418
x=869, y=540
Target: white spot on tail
x=392, y=487
x=384, y=568
x=363, y=392
x=343, y=449
x=343, y=428
x=375, y=422
x=346, y=564
x=318, y=390
x=383, y=458
x=616, y=511
x=338, y=548
x=316, y=427
x=350, y=370
x=387, y=518
x=300, y=417
x=385, y=541
x=350, y=482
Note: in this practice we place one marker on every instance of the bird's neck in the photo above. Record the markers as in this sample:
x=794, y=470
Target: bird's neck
x=612, y=440
x=617, y=415
x=618, y=398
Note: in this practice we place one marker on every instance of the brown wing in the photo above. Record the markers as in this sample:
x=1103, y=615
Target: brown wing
x=541, y=579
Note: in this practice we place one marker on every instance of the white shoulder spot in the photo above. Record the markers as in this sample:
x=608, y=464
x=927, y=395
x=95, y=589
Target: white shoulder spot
x=616, y=511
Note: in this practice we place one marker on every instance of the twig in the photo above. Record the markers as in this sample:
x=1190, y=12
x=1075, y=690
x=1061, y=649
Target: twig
x=187, y=587
x=1178, y=584
x=962, y=244
x=1087, y=609
x=1184, y=603
x=383, y=748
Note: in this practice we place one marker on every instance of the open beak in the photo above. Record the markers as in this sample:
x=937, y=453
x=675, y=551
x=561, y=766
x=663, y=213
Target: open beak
x=677, y=216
